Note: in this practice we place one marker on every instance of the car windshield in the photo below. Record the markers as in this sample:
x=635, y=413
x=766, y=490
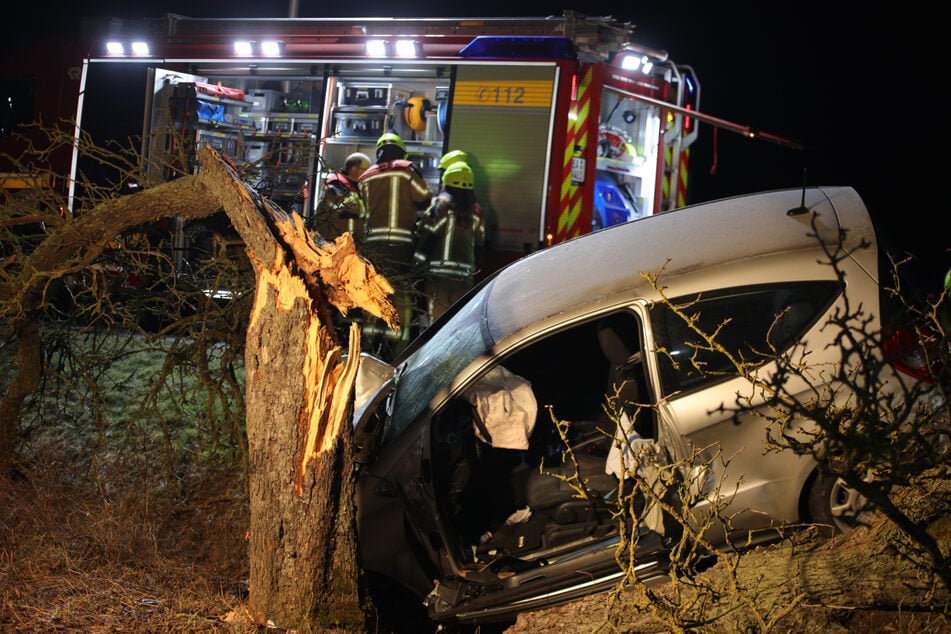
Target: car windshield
x=435, y=364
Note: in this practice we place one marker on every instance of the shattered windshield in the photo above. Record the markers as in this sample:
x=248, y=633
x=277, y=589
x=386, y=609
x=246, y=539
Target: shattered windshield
x=436, y=363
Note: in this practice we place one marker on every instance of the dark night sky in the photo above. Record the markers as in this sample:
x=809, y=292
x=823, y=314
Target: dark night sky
x=858, y=88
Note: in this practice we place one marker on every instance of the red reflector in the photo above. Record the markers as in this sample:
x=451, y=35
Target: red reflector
x=905, y=353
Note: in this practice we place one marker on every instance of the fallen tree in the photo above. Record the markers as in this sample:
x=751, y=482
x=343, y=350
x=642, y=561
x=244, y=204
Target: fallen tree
x=303, y=561
x=857, y=582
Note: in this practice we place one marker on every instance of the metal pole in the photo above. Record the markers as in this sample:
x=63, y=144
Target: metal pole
x=746, y=131
x=77, y=135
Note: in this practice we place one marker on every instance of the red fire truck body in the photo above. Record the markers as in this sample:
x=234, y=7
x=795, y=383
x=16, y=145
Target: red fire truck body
x=569, y=125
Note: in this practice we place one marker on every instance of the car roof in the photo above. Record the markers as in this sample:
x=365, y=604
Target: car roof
x=604, y=268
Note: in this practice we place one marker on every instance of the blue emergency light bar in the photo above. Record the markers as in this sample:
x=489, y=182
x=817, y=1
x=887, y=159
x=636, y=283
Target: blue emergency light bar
x=522, y=47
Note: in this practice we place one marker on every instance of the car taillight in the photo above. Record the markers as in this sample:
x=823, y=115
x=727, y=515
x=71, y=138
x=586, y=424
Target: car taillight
x=904, y=352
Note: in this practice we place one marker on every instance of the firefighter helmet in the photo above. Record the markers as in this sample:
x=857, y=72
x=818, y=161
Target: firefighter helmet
x=390, y=138
x=459, y=175
x=357, y=159
x=456, y=156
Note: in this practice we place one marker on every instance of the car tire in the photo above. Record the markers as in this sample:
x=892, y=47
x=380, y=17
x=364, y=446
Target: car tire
x=833, y=506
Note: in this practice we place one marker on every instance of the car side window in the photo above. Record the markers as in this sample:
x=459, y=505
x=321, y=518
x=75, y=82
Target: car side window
x=572, y=374
x=490, y=442
x=755, y=323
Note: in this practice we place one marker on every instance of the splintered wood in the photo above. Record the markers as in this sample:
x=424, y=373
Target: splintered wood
x=344, y=276
x=294, y=268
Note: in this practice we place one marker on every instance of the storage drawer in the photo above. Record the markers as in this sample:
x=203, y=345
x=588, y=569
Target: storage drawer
x=358, y=124
x=266, y=100
x=307, y=127
x=281, y=125
x=366, y=95
x=224, y=143
x=255, y=151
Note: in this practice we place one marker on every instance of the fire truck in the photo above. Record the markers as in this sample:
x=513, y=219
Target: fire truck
x=569, y=124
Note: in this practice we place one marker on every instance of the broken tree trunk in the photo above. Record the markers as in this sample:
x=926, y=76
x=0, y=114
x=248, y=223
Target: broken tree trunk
x=303, y=556
x=303, y=553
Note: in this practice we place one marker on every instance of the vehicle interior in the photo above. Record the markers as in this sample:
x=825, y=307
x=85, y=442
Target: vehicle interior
x=510, y=505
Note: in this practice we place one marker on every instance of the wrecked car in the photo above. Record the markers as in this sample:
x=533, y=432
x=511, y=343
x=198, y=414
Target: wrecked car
x=466, y=497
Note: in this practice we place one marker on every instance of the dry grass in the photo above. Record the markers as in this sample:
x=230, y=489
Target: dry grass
x=127, y=510
x=75, y=560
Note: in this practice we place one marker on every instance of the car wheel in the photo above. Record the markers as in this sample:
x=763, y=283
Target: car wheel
x=834, y=506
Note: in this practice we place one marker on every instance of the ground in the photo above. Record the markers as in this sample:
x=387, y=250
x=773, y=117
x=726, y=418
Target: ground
x=77, y=558
x=80, y=559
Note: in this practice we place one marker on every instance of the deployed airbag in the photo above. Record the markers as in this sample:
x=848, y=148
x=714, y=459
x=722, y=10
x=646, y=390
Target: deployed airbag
x=507, y=407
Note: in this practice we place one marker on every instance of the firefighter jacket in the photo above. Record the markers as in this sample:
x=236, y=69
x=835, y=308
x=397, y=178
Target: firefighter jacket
x=450, y=239
x=340, y=209
x=394, y=192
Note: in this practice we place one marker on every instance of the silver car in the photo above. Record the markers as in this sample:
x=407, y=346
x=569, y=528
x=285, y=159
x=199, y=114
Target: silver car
x=452, y=505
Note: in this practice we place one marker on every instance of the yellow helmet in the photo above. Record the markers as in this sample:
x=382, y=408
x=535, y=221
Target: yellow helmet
x=357, y=159
x=390, y=138
x=456, y=156
x=459, y=175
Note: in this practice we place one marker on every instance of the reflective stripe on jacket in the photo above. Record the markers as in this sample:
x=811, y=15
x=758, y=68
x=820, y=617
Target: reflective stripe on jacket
x=393, y=192
x=339, y=209
x=448, y=239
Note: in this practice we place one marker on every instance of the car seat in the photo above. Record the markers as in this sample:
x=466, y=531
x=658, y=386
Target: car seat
x=618, y=344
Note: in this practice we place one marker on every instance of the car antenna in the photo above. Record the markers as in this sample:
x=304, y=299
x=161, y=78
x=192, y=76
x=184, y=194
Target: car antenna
x=801, y=209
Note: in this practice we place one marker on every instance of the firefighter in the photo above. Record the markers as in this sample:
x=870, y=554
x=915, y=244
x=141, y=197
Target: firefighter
x=395, y=193
x=341, y=207
x=451, y=240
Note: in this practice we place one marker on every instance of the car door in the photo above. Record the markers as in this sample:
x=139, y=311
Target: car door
x=716, y=420
x=513, y=531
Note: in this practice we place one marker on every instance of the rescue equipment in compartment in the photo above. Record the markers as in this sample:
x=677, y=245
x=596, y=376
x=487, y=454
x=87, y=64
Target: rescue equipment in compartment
x=359, y=124
x=415, y=112
x=441, y=115
x=613, y=144
x=615, y=199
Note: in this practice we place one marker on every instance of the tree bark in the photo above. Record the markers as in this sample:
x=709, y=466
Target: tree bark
x=24, y=382
x=304, y=569
x=303, y=554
